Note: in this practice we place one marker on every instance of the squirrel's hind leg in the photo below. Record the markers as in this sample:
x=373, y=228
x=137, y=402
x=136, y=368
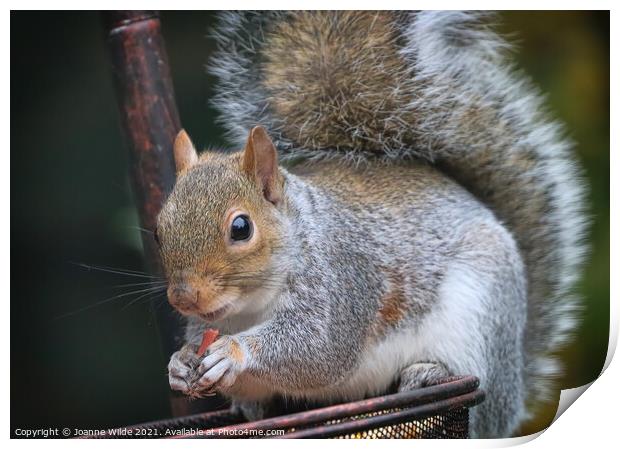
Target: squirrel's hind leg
x=422, y=374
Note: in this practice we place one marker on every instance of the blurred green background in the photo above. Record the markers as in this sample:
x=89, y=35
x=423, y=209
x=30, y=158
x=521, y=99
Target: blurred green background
x=71, y=203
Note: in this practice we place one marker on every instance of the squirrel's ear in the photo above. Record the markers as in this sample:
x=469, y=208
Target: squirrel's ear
x=260, y=161
x=184, y=152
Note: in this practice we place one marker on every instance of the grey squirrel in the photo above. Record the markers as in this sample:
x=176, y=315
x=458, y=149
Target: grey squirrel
x=405, y=211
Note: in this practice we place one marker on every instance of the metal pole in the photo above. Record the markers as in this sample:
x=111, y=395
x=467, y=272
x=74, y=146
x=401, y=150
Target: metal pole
x=150, y=122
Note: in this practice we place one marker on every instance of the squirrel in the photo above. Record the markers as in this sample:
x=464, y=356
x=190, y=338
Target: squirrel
x=401, y=210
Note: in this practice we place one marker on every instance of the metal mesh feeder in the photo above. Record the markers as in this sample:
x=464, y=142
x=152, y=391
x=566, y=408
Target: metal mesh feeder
x=437, y=411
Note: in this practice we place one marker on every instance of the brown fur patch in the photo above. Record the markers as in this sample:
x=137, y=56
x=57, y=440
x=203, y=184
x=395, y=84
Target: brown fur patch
x=393, y=305
x=236, y=353
x=381, y=185
x=338, y=79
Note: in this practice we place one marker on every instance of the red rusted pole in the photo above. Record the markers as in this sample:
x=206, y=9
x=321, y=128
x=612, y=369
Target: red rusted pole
x=149, y=117
x=150, y=121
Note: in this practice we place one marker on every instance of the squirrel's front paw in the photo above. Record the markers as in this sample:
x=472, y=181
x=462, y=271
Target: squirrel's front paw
x=182, y=368
x=225, y=360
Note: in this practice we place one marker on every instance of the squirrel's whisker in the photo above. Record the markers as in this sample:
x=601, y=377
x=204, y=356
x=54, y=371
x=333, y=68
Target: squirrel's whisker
x=149, y=296
x=120, y=271
x=148, y=231
x=140, y=284
x=110, y=299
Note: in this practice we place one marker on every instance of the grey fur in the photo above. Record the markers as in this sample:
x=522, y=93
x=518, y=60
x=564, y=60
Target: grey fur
x=447, y=242
x=349, y=245
x=479, y=120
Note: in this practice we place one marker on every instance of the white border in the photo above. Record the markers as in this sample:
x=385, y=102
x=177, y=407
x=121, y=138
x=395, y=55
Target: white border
x=591, y=421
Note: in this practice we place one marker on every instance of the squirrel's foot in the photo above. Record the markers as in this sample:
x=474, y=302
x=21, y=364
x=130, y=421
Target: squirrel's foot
x=224, y=361
x=182, y=367
x=422, y=374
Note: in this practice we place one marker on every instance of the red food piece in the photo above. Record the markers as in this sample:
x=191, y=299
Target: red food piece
x=208, y=337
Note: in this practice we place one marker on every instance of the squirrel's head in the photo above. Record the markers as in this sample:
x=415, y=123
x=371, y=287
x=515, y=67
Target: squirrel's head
x=220, y=227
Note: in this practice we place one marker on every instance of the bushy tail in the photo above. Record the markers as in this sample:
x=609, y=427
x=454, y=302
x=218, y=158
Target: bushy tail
x=430, y=85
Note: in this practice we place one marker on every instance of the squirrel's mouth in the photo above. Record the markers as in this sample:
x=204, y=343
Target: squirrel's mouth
x=215, y=315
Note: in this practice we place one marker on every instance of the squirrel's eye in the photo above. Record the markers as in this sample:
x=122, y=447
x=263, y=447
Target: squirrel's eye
x=241, y=228
x=156, y=236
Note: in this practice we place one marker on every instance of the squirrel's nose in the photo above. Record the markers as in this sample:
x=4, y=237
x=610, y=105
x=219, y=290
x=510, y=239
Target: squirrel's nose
x=182, y=296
